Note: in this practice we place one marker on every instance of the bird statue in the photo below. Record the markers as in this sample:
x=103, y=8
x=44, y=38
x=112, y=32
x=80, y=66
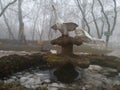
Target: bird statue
x=86, y=37
x=60, y=25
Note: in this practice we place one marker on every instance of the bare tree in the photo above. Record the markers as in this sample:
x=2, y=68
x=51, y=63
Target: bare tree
x=103, y=18
x=109, y=28
x=35, y=23
x=102, y=28
x=86, y=11
x=83, y=14
x=7, y=24
x=115, y=16
x=50, y=30
x=4, y=9
x=43, y=22
x=21, y=36
x=94, y=19
x=51, y=21
x=107, y=20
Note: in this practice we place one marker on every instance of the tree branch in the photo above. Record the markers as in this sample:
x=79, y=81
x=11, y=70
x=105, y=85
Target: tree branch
x=6, y=22
x=103, y=11
x=83, y=14
x=94, y=19
x=102, y=28
x=115, y=17
x=108, y=23
x=4, y=9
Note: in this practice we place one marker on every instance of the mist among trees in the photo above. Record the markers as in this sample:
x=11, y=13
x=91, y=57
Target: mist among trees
x=24, y=20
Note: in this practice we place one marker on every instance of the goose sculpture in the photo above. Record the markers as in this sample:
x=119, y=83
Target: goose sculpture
x=60, y=25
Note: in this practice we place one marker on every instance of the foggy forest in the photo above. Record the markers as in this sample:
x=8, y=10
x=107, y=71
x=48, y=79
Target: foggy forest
x=59, y=45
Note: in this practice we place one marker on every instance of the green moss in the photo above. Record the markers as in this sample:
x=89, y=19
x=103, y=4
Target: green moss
x=82, y=60
x=55, y=58
x=15, y=63
x=107, y=61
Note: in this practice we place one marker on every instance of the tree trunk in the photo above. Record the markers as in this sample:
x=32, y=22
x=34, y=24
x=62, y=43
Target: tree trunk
x=21, y=36
x=82, y=9
x=107, y=20
x=94, y=20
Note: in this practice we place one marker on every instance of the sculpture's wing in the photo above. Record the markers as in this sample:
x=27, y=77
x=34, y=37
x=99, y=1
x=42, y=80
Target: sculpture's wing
x=87, y=34
x=71, y=26
x=85, y=39
x=81, y=34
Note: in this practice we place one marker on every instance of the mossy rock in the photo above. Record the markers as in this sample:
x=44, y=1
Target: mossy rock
x=106, y=61
x=56, y=60
x=15, y=63
x=60, y=60
x=84, y=61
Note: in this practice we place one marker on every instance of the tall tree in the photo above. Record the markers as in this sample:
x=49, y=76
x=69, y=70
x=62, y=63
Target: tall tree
x=103, y=17
x=110, y=28
x=21, y=35
x=82, y=7
x=99, y=30
x=35, y=21
x=115, y=16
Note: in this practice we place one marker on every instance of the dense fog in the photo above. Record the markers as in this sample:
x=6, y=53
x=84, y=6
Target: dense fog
x=38, y=17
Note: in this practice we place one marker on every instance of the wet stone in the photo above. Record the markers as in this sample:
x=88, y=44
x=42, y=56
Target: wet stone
x=66, y=73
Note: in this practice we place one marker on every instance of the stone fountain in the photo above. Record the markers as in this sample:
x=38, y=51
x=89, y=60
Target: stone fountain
x=66, y=62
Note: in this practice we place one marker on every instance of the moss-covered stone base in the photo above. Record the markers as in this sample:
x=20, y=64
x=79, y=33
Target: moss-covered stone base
x=15, y=63
x=66, y=73
x=60, y=60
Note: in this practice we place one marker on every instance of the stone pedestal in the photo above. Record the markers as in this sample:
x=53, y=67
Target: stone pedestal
x=67, y=49
x=66, y=73
x=66, y=42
